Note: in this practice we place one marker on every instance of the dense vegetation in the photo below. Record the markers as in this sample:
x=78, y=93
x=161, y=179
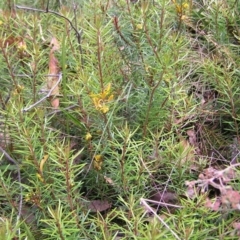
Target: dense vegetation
x=119, y=119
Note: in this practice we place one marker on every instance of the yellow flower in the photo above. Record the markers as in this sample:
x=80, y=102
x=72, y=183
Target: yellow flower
x=178, y=8
x=18, y=89
x=147, y=68
x=40, y=177
x=101, y=100
x=88, y=136
x=27, y=197
x=181, y=7
x=98, y=161
x=139, y=26
x=185, y=5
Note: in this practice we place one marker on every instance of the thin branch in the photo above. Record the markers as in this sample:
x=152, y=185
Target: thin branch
x=47, y=8
x=62, y=110
x=217, y=174
x=143, y=202
x=163, y=203
x=48, y=95
x=78, y=33
x=165, y=187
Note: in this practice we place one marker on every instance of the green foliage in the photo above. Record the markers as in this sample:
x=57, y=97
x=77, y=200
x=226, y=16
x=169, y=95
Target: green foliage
x=149, y=99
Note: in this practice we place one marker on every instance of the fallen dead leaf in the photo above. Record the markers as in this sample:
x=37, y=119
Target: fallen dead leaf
x=231, y=199
x=54, y=44
x=109, y=180
x=99, y=205
x=213, y=204
x=55, y=102
x=192, y=192
x=4, y=43
x=165, y=197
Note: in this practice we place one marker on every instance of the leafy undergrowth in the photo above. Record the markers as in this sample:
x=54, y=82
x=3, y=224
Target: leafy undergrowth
x=120, y=119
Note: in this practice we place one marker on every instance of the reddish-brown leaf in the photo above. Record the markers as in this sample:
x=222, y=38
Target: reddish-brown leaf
x=10, y=41
x=99, y=205
x=231, y=198
x=53, y=70
x=213, y=204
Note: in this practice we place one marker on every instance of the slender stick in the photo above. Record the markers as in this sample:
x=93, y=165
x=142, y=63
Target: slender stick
x=48, y=95
x=163, y=203
x=78, y=33
x=143, y=201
